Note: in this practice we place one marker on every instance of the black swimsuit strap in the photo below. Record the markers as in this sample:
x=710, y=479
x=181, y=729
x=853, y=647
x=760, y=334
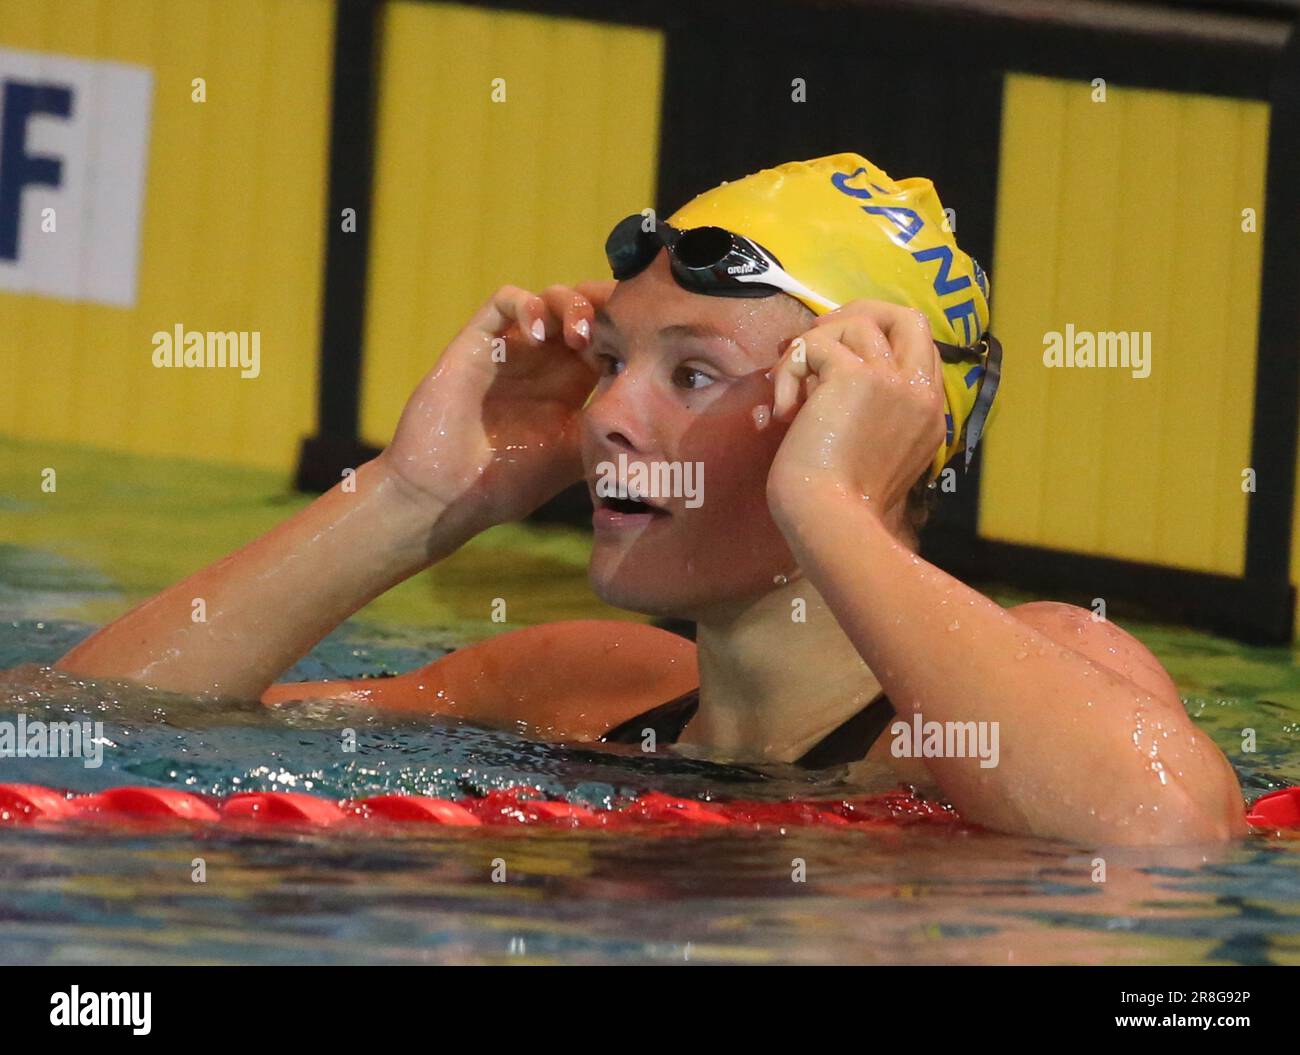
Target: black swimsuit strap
x=848, y=742
x=851, y=740
x=667, y=720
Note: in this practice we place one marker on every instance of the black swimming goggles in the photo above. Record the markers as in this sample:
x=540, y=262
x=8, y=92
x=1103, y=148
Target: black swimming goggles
x=707, y=260
x=718, y=263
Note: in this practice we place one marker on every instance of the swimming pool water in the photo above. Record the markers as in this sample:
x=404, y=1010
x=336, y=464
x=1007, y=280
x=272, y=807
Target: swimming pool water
x=912, y=896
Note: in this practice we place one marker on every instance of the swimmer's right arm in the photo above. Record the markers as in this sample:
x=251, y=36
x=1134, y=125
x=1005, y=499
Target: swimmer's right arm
x=489, y=434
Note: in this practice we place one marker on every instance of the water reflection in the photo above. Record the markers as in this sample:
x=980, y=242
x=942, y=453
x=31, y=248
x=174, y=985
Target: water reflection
x=801, y=896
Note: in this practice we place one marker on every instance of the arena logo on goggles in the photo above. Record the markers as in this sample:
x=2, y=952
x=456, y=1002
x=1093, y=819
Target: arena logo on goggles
x=909, y=224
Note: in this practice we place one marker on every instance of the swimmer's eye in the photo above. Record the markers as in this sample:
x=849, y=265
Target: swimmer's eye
x=691, y=377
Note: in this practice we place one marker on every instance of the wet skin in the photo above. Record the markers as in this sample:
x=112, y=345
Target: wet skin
x=806, y=474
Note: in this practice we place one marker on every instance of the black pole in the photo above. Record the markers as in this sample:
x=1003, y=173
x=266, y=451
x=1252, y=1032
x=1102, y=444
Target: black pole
x=336, y=444
x=1277, y=370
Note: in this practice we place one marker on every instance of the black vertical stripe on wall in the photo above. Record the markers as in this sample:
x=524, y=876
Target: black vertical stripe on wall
x=1277, y=368
x=900, y=88
x=336, y=445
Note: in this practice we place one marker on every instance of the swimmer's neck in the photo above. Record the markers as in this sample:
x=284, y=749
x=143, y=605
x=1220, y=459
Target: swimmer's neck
x=770, y=686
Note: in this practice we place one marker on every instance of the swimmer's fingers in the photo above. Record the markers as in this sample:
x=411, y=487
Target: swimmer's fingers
x=788, y=377
x=571, y=314
x=558, y=311
x=894, y=345
x=865, y=340
x=810, y=358
x=909, y=343
x=509, y=306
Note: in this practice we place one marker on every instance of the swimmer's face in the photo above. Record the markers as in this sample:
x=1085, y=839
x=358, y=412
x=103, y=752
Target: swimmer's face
x=682, y=392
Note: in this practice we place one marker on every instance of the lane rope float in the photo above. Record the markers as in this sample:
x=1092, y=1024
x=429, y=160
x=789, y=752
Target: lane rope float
x=35, y=805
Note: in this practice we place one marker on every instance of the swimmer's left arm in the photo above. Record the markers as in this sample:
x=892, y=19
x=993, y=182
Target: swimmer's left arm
x=1093, y=741
x=570, y=680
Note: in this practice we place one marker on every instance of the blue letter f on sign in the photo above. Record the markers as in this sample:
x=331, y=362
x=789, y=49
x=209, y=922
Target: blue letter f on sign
x=19, y=169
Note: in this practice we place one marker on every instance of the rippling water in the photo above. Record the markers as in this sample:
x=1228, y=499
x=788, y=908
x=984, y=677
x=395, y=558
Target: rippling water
x=913, y=896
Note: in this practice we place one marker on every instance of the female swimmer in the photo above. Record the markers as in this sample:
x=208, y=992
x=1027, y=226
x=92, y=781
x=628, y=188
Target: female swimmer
x=822, y=636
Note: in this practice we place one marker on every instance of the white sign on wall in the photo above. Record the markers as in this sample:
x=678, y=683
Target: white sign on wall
x=74, y=139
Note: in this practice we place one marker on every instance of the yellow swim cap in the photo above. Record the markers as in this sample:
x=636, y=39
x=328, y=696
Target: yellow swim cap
x=844, y=228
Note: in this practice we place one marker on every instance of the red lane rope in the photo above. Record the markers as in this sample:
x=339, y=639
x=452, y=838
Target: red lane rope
x=1279, y=810
x=32, y=804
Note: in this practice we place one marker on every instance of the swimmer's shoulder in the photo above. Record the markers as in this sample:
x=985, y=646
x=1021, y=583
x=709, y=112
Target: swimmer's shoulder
x=1104, y=642
x=573, y=679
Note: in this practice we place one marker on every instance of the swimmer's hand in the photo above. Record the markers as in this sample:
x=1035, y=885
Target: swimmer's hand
x=863, y=389
x=491, y=432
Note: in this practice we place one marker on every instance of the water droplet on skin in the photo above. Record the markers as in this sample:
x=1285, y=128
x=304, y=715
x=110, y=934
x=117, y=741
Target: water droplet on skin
x=762, y=416
x=780, y=580
x=1021, y=655
x=954, y=625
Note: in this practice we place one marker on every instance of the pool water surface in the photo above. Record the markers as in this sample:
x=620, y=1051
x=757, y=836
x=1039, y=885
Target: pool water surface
x=122, y=527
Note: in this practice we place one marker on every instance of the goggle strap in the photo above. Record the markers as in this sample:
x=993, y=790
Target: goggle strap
x=984, y=398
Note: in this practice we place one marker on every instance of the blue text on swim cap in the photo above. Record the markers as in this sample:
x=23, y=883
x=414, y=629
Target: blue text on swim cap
x=909, y=224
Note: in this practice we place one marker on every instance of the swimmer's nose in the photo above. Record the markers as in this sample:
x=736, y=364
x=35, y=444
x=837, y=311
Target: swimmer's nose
x=617, y=439
x=616, y=424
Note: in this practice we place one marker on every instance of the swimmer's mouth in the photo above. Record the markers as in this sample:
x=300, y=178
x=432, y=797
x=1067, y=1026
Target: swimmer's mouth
x=630, y=507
